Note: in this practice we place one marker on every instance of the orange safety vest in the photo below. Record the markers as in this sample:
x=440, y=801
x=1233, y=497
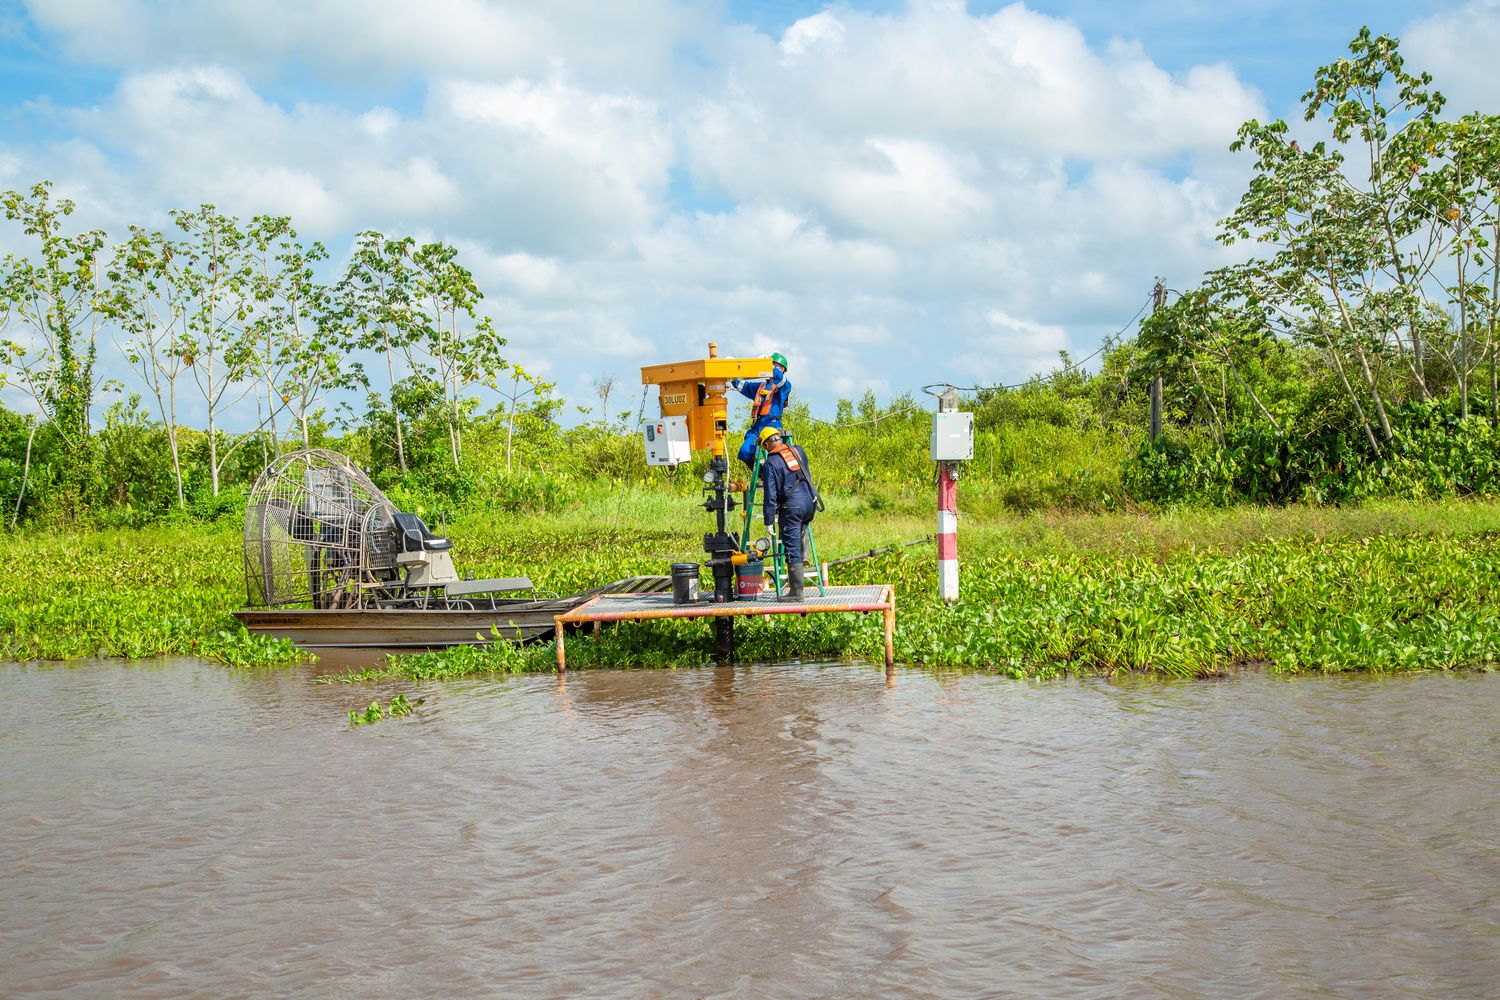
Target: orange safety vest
x=763, y=397
x=788, y=456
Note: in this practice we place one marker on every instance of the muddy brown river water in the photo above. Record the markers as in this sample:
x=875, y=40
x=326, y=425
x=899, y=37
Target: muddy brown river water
x=187, y=830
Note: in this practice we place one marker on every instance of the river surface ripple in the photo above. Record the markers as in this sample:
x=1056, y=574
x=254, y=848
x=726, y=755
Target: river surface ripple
x=188, y=830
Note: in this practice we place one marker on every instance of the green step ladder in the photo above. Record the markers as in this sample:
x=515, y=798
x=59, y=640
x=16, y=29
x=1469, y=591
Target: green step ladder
x=778, y=556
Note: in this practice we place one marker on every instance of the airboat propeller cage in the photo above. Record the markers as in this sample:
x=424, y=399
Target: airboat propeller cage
x=694, y=412
x=318, y=532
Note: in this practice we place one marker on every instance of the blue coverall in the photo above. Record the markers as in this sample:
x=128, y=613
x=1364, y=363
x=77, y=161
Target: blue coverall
x=781, y=394
x=788, y=495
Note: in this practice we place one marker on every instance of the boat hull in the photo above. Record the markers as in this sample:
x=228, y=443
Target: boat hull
x=429, y=628
x=398, y=629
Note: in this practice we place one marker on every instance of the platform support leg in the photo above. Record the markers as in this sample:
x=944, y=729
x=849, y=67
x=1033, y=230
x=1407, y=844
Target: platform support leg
x=562, y=656
x=724, y=639
x=890, y=634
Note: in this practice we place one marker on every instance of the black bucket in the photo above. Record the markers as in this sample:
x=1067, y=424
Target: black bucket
x=684, y=583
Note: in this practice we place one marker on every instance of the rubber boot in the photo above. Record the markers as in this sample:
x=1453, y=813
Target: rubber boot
x=795, y=582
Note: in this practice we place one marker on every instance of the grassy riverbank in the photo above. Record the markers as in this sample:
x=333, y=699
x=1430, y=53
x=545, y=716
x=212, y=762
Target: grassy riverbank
x=1384, y=587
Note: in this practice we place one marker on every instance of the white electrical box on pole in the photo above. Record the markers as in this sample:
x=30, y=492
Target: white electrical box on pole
x=952, y=436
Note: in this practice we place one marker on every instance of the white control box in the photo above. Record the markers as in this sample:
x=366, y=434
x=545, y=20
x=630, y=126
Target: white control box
x=952, y=436
x=667, y=441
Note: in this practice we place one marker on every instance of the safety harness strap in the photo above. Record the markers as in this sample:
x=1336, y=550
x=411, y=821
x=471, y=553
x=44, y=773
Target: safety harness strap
x=789, y=456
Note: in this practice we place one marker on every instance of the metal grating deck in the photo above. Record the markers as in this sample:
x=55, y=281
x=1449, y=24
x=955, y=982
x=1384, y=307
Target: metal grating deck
x=836, y=598
x=645, y=607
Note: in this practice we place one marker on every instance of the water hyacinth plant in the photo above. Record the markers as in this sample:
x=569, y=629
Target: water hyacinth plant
x=1189, y=593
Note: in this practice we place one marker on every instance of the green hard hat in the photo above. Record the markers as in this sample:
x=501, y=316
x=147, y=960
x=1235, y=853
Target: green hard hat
x=780, y=359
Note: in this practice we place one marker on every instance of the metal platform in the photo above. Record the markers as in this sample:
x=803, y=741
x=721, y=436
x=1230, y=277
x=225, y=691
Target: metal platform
x=645, y=607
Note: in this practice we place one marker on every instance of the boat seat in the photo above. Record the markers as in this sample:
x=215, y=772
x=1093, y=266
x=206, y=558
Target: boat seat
x=464, y=588
x=415, y=536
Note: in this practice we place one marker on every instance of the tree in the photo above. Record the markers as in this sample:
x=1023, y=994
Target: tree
x=375, y=297
x=319, y=364
x=461, y=349
x=1355, y=268
x=1199, y=347
x=152, y=315
x=603, y=386
x=1463, y=194
x=299, y=344
x=212, y=270
x=56, y=299
x=523, y=384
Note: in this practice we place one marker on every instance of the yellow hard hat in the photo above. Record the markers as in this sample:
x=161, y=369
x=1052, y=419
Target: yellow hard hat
x=767, y=433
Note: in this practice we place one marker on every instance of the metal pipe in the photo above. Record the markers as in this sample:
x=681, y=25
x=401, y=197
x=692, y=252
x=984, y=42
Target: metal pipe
x=878, y=552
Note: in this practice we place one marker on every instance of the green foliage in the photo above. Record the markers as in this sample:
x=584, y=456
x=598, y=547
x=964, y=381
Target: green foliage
x=372, y=713
x=1382, y=602
x=53, y=293
x=1305, y=589
x=241, y=648
x=1435, y=453
x=119, y=592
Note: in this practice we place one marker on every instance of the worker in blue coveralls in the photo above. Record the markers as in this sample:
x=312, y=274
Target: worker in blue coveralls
x=790, y=501
x=768, y=398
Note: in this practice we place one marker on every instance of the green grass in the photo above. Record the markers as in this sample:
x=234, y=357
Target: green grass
x=1382, y=587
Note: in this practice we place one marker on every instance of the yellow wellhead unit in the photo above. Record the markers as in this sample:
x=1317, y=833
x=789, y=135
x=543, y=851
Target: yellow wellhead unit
x=694, y=417
x=695, y=391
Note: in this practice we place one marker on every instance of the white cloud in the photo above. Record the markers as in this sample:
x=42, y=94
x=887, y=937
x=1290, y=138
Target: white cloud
x=379, y=122
x=1016, y=77
x=936, y=125
x=554, y=165
x=375, y=40
x=1458, y=47
x=890, y=199
x=822, y=31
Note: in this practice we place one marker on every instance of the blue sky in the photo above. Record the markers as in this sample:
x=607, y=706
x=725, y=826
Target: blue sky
x=892, y=193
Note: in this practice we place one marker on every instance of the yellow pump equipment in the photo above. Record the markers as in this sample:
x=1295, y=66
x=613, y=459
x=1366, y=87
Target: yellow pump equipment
x=694, y=391
x=695, y=417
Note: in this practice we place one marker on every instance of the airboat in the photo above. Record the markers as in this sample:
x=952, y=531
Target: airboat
x=330, y=561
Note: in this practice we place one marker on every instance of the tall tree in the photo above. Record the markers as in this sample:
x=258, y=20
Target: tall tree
x=212, y=270
x=461, y=348
x=53, y=302
x=1357, y=250
x=376, y=299
x=1463, y=193
x=152, y=315
x=296, y=348
x=604, y=385
x=523, y=384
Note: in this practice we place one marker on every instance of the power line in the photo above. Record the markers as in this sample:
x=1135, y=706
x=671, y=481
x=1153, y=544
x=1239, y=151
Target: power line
x=871, y=420
x=928, y=389
x=1108, y=341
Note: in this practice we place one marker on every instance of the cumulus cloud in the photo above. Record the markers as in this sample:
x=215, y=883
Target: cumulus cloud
x=380, y=40
x=890, y=199
x=1015, y=77
x=1458, y=47
x=1000, y=348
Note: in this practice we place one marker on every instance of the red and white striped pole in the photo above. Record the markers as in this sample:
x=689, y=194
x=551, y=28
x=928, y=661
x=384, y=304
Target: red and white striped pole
x=952, y=443
x=947, y=531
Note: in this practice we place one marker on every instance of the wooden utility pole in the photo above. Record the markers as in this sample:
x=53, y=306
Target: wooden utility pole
x=1158, y=299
